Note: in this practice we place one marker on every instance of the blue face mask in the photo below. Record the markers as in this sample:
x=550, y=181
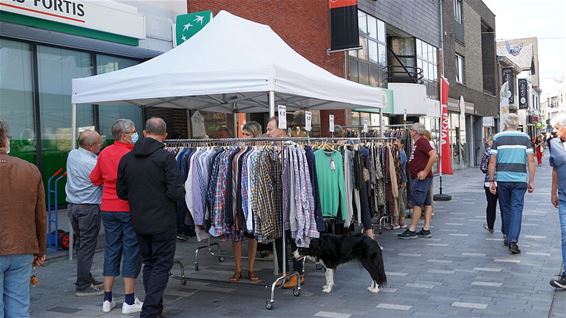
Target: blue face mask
x=135, y=138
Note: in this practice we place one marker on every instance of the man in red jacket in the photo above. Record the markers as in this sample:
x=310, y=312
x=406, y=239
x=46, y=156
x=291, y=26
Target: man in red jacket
x=121, y=243
x=23, y=227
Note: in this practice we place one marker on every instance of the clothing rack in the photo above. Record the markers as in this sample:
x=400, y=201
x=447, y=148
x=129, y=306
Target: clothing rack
x=267, y=141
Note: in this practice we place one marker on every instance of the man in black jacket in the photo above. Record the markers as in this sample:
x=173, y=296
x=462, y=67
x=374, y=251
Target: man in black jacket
x=149, y=178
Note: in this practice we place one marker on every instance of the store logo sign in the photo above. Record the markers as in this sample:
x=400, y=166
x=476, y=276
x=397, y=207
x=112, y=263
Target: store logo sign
x=187, y=25
x=513, y=49
x=105, y=16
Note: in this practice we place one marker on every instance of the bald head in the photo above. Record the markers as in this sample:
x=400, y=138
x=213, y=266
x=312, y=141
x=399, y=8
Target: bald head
x=156, y=128
x=90, y=140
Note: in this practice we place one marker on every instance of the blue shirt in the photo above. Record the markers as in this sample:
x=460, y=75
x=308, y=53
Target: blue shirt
x=511, y=149
x=79, y=188
x=558, y=162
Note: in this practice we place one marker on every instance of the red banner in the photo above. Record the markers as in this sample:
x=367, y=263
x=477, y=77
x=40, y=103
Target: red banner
x=341, y=3
x=445, y=154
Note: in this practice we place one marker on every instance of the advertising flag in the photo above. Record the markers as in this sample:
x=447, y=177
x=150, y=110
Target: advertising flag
x=445, y=152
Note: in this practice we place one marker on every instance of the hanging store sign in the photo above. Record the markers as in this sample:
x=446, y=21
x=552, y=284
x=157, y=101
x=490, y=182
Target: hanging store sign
x=308, y=121
x=331, y=123
x=445, y=166
x=344, y=33
x=282, y=116
x=187, y=25
x=105, y=16
x=366, y=125
x=523, y=93
x=507, y=76
x=488, y=122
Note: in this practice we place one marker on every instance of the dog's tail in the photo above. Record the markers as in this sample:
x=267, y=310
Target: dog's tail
x=373, y=263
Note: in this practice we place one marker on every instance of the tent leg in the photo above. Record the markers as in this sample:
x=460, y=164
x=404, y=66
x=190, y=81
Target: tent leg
x=271, y=103
x=73, y=146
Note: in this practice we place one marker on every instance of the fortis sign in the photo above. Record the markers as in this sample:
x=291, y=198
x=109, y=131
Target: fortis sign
x=68, y=8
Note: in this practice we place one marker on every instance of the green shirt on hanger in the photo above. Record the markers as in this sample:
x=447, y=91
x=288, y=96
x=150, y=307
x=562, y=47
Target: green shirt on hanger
x=330, y=174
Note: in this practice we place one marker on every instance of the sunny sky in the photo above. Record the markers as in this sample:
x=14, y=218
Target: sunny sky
x=545, y=19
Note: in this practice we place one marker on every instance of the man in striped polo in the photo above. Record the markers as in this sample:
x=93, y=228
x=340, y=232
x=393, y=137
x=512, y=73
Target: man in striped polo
x=510, y=153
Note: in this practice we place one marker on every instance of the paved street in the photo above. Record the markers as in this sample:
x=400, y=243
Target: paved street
x=462, y=271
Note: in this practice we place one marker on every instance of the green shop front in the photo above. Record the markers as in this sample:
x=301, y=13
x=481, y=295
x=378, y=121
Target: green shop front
x=42, y=48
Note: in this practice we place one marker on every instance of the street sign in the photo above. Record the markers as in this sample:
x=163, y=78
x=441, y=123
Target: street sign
x=488, y=122
x=187, y=25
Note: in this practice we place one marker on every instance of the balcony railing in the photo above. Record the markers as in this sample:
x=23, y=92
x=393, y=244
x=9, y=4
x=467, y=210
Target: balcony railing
x=404, y=74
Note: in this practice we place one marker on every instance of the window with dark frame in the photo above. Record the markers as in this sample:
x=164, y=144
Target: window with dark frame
x=459, y=69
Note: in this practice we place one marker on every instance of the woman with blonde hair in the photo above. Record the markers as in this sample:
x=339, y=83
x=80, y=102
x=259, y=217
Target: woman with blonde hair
x=251, y=129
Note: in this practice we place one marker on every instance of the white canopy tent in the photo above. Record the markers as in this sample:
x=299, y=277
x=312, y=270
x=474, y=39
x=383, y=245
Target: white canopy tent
x=231, y=65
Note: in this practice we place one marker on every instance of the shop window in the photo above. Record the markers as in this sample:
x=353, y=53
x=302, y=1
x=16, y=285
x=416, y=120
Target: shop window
x=108, y=113
x=459, y=69
x=56, y=69
x=16, y=97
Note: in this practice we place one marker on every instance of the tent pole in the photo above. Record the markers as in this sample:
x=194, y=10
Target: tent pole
x=271, y=103
x=73, y=146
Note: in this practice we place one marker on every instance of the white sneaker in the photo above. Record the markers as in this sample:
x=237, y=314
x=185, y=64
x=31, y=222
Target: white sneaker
x=107, y=306
x=133, y=308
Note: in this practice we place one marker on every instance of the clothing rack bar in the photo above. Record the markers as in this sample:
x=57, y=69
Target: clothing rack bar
x=171, y=142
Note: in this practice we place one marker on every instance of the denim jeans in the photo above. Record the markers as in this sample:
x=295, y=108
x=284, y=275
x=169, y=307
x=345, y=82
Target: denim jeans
x=121, y=245
x=15, y=272
x=511, y=201
x=562, y=213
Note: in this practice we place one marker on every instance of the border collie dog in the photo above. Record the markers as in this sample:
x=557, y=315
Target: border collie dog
x=331, y=251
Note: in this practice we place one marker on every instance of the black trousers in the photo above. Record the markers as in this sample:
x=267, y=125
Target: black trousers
x=158, y=253
x=297, y=265
x=85, y=219
x=491, y=207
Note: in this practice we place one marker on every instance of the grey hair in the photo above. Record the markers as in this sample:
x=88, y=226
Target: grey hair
x=120, y=126
x=156, y=126
x=559, y=120
x=3, y=132
x=512, y=121
x=419, y=128
x=88, y=138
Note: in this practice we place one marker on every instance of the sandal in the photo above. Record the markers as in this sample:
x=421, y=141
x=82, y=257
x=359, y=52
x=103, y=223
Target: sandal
x=236, y=277
x=252, y=276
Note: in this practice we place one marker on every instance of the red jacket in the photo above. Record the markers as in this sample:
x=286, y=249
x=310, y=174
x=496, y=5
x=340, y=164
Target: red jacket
x=106, y=171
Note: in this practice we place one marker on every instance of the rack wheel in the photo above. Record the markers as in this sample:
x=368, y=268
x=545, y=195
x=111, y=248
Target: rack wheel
x=196, y=268
x=221, y=259
x=296, y=292
x=184, y=282
x=318, y=266
x=268, y=305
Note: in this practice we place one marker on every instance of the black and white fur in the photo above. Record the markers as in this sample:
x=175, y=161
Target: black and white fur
x=333, y=250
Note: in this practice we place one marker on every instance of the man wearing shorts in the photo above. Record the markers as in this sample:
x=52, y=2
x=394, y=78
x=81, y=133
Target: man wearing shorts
x=420, y=165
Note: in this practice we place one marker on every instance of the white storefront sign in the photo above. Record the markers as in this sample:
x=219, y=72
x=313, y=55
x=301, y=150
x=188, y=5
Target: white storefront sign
x=488, y=122
x=105, y=16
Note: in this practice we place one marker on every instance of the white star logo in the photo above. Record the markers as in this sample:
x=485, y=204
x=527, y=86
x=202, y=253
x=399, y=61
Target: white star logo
x=184, y=38
x=187, y=26
x=199, y=19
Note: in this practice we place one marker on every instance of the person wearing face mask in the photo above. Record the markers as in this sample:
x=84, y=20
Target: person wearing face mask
x=121, y=243
x=83, y=200
x=149, y=178
x=23, y=228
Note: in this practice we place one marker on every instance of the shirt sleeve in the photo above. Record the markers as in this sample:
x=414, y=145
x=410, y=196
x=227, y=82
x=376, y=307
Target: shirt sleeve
x=121, y=183
x=493, y=150
x=96, y=173
x=529, y=145
x=425, y=146
x=41, y=218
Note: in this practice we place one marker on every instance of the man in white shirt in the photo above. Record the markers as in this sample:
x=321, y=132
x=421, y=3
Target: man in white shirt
x=84, y=209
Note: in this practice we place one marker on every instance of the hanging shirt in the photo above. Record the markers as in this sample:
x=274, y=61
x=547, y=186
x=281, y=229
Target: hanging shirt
x=330, y=174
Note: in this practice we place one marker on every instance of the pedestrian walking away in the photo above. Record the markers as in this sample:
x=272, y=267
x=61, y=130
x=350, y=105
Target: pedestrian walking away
x=558, y=192
x=149, y=178
x=83, y=198
x=511, y=152
x=420, y=170
x=491, y=209
x=121, y=243
x=23, y=228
